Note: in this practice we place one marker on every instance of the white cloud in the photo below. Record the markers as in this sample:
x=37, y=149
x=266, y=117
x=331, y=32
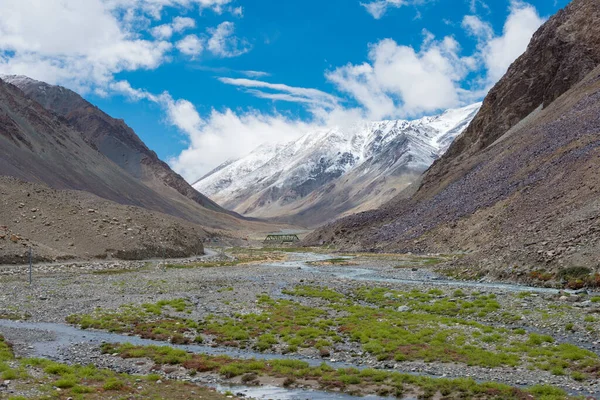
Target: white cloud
x=522, y=23
x=84, y=44
x=476, y=27
x=224, y=43
x=237, y=11
x=227, y=134
x=154, y=8
x=179, y=24
x=72, y=42
x=190, y=45
x=401, y=81
x=474, y=3
x=163, y=32
x=289, y=93
x=255, y=74
x=182, y=23
x=221, y=42
x=378, y=8
x=498, y=52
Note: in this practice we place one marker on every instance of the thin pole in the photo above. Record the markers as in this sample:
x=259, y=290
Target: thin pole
x=30, y=265
x=164, y=260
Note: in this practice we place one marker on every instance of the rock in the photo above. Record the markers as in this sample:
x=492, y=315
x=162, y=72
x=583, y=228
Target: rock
x=404, y=309
x=584, y=304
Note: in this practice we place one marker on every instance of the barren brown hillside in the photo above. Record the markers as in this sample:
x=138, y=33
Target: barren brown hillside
x=64, y=224
x=39, y=146
x=113, y=138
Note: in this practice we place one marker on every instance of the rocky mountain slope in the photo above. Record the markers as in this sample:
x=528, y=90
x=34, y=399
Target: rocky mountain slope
x=66, y=224
x=38, y=145
x=41, y=147
x=331, y=172
x=520, y=189
x=113, y=138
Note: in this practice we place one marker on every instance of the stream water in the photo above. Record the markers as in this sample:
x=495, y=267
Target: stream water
x=369, y=275
x=278, y=393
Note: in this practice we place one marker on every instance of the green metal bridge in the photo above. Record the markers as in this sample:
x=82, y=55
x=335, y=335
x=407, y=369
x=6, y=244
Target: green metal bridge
x=280, y=239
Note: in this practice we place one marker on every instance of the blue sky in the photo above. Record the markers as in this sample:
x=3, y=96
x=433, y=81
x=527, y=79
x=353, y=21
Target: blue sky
x=196, y=78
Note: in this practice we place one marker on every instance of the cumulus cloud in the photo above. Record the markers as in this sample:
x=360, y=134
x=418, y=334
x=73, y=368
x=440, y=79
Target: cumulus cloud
x=72, y=42
x=399, y=80
x=496, y=53
x=499, y=52
x=179, y=24
x=83, y=44
x=237, y=11
x=224, y=43
x=190, y=45
x=228, y=135
x=164, y=31
x=221, y=42
x=478, y=28
x=221, y=135
x=182, y=23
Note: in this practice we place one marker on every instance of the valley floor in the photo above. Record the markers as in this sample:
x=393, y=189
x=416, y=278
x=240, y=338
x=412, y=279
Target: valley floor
x=279, y=324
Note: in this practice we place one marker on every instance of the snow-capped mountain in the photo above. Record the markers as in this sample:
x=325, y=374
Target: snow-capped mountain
x=329, y=172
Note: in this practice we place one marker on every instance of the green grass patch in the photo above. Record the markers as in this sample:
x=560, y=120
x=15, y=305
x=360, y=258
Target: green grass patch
x=88, y=382
x=345, y=379
x=149, y=321
x=438, y=327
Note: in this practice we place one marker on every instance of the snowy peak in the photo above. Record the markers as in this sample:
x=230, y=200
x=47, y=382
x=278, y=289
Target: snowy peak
x=276, y=180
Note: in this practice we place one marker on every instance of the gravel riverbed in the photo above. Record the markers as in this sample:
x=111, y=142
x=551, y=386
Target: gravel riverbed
x=60, y=290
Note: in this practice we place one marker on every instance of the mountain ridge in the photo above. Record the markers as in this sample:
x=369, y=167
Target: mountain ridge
x=41, y=147
x=361, y=165
x=112, y=137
